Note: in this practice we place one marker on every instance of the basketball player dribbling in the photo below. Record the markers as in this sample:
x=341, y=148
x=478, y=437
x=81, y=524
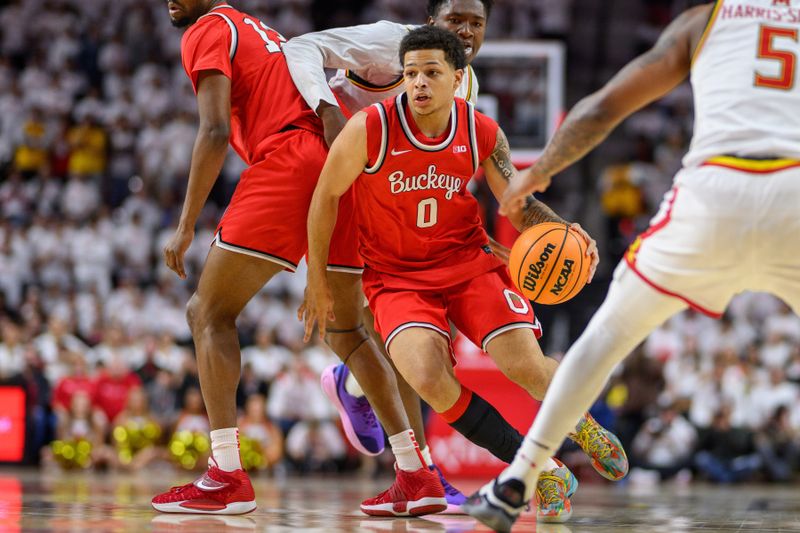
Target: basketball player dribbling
x=245, y=96
x=731, y=222
x=426, y=255
x=369, y=72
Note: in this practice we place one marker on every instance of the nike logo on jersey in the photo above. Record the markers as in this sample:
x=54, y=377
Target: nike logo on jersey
x=401, y=152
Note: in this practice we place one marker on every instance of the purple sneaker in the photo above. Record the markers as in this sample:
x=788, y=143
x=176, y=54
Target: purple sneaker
x=360, y=423
x=453, y=496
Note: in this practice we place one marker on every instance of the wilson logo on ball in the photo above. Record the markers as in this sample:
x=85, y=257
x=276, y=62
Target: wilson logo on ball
x=535, y=269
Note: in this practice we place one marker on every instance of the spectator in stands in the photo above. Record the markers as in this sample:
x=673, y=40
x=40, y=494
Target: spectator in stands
x=81, y=198
x=169, y=356
x=56, y=345
x=266, y=358
x=163, y=397
x=193, y=416
x=255, y=425
x=778, y=443
x=111, y=387
x=12, y=351
x=81, y=425
x=136, y=433
x=88, y=146
x=315, y=446
x=76, y=380
x=116, y=347
x=15, y=200
x=31, y=154
x=643, y=380
x=250, y=384
x=665, y=444
x=295, y=395
x=726, y=454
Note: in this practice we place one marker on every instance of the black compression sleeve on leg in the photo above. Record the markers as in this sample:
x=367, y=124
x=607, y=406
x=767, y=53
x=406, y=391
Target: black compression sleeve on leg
x=482, y=424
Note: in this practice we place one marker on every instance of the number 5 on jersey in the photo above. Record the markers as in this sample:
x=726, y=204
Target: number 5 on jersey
x=788, y=60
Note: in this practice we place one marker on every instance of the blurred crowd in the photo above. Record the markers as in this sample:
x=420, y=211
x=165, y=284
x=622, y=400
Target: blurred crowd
x=96, y=131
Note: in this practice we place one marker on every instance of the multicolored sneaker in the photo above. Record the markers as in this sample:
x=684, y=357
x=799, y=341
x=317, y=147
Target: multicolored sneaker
x=358, y=419
x=215, y=492
x=570, y=481
x=552, y=495
x=496, y=504
x=455, y=499
x=413, y=494
x=603, y=448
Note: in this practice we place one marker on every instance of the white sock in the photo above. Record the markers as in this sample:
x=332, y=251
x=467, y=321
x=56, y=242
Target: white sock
x=426, y=454
x=549, y=464
x=406, y=451
x=629, y=313
x=352, y=387
x=225, y=449
x=521, y=464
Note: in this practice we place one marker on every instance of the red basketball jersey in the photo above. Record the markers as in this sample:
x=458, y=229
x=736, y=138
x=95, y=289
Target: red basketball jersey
x=419, y=225
x=264, y=99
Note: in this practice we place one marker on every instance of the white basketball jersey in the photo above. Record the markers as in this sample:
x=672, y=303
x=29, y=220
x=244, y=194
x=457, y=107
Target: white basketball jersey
x=367, y=63
x=356, y=93
x=744, y=76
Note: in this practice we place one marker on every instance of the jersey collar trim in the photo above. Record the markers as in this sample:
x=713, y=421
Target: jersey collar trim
x=401, y=113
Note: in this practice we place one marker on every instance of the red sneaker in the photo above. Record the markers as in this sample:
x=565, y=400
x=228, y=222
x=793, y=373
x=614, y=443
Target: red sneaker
x=412, y=494
x=215, y=492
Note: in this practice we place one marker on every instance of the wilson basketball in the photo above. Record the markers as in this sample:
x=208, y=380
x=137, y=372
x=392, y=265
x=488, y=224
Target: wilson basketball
x=548, y=263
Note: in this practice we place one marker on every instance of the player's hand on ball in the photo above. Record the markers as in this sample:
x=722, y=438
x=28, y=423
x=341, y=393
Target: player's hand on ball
x=175, y=250
x=317, y=308
x=591, y=249
x=500, y=251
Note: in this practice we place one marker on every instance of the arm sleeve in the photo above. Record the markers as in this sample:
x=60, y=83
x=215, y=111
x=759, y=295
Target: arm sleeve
x=369, y=45
x=208, y=47
x=486, y=135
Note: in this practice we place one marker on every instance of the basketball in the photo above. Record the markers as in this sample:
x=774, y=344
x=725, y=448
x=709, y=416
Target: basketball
x=548, y=263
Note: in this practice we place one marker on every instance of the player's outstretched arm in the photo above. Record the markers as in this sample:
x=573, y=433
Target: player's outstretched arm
x=208, y=156
x=353, y=48
x=500, y=171
x=644, y=80
x=346, y=160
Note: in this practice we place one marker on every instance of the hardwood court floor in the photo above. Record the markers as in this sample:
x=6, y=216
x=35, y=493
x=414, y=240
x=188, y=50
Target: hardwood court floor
x=31, y=500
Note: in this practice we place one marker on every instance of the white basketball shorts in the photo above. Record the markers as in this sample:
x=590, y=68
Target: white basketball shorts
x=720, y=231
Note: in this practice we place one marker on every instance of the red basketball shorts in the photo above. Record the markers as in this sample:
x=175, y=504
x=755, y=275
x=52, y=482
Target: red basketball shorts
x=481, y=308
x=267, y=215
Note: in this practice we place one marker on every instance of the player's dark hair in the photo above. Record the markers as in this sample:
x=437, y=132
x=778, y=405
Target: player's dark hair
x=435, y=5
x=433, y=38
